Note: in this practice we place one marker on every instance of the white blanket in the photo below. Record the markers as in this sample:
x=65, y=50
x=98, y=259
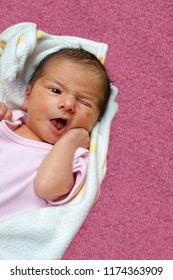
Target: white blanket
x=46, y=233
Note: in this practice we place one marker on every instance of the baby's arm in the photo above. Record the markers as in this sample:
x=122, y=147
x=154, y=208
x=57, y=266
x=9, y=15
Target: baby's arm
x=5, y=112
x=55, y=175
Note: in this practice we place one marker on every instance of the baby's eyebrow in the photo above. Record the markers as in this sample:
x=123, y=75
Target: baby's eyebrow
x=55, y=80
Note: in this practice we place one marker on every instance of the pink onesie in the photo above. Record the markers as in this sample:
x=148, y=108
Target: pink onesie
x=19, y=161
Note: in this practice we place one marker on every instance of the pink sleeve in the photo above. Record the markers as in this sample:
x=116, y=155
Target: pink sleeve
x=80, y=165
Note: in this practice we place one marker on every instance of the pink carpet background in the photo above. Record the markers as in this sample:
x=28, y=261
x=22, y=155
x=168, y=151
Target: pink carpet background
x=133, y=218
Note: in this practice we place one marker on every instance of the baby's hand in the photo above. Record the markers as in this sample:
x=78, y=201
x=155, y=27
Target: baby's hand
x=79, y=137
x=5, y=112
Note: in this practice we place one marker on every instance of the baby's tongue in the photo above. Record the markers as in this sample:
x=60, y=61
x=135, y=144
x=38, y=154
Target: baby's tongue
x=59, y=123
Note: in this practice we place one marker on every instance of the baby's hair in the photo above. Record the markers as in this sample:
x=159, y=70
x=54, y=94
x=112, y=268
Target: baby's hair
x=84, y=58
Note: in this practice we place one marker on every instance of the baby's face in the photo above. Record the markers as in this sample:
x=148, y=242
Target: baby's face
x=67, y=96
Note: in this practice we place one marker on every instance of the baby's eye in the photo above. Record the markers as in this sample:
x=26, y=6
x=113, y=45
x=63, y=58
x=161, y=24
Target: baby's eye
x=85, y=103
x=54, y=90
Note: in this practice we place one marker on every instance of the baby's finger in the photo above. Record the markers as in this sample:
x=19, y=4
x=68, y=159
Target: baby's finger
x=8, y=115
x=3, y=110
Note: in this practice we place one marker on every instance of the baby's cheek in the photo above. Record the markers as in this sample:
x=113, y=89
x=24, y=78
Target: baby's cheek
x=91, y=121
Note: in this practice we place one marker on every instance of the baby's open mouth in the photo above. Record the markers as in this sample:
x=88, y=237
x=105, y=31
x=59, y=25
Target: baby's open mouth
x=59, y=123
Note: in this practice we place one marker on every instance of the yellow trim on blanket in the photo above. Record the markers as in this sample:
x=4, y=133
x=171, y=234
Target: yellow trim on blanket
x=40, y=34
x=93, y=148
x=19, y=42
x=102, y=60
x=2, y=44
x=104, y=163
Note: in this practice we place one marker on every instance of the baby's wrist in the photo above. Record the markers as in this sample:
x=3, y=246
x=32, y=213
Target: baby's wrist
x=72, y=138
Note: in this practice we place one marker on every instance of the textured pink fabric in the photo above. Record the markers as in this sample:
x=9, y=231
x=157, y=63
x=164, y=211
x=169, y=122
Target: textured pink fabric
x=133, y=219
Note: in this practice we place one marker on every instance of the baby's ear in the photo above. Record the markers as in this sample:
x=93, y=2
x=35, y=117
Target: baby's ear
x=27, y=94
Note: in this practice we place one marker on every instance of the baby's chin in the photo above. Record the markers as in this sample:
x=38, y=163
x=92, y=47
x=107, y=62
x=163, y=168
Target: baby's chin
x=52, y=141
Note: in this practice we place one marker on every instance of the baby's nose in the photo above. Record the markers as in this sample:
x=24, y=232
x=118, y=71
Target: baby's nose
x=67, y=103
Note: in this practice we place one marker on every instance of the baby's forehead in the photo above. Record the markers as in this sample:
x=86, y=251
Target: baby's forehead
x=92, y=63
x=76, y=65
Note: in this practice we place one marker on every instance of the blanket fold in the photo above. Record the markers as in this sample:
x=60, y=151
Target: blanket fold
x=46, y=233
